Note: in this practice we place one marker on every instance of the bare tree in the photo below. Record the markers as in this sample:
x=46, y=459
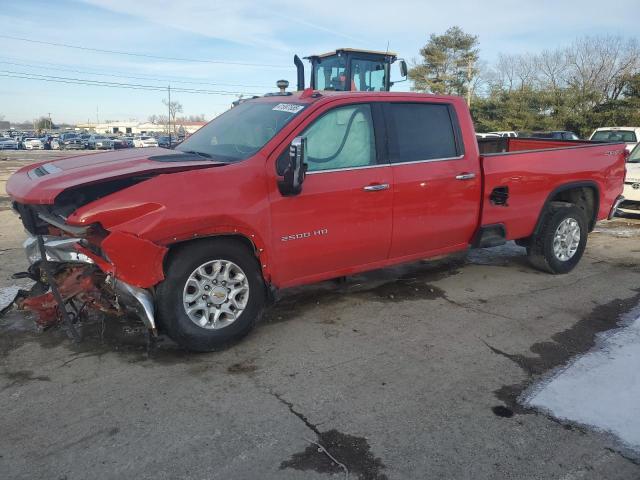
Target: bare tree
x=504, y=73
x=552, y=65
x=600, y=66
x=174, y=108
x=526, y=70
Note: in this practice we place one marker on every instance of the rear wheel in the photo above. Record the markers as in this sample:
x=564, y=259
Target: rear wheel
x=212, y=295
x=561, y=240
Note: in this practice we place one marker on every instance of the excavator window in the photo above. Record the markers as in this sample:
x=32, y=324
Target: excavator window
x=368, y=75
x=331, y=74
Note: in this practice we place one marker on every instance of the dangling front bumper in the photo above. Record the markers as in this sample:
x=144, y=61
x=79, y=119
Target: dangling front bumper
x=66, y=251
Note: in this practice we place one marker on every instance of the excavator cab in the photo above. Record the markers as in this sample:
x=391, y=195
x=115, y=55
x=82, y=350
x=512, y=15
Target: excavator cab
x=348, y=69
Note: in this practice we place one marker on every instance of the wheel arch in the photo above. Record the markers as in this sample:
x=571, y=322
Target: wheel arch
x=585, y=195
x=253, y=244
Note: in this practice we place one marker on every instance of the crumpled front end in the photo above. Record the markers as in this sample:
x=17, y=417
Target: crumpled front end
x=112, y=272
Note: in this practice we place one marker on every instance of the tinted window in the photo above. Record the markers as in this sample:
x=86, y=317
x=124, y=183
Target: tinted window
x=422, y=132
x=341, y=138
x=614, y=136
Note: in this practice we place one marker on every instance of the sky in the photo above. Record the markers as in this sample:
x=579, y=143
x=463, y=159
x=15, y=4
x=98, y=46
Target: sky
x=256, y=39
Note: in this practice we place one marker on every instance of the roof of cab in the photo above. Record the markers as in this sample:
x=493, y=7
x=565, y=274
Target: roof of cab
x=312, y=96
x=354, y=50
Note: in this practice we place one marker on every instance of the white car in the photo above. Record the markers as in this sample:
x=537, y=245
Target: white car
x=487, y=135
x=144, y=141
x=631, y=191
x=8, y=144
x=33, y=144
x=508, y=133
x=629, y=135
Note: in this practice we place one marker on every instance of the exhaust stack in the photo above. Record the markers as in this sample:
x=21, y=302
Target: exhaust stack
x=300, y=70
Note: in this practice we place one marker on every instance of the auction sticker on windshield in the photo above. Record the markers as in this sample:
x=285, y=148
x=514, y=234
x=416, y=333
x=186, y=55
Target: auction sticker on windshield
x=288, y=107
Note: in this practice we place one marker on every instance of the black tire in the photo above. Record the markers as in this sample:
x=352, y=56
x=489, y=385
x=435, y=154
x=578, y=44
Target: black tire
x=541, y=248
x=172, y=316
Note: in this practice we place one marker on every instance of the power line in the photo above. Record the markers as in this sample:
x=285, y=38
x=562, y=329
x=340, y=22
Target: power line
x=102, y=83
x=58, y=66
x=144, y=55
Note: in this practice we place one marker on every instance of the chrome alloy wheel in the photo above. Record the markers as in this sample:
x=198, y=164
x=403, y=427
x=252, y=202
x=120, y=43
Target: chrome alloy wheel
x=215, y=294
x=566, y=239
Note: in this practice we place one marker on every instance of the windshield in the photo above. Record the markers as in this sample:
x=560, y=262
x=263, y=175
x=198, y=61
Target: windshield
x=240, y=132
x=615, y=136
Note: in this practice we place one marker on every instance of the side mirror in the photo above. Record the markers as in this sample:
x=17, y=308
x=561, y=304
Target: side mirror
x=403, y=68
x=292, y=168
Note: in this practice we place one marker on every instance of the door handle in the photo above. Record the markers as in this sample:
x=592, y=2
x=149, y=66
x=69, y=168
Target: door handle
x=466, y=176
x=377, y=187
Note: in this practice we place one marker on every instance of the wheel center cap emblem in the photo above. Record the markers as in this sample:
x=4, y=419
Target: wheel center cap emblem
x=218, y=295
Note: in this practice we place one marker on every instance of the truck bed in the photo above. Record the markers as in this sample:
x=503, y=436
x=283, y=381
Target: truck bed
x=525, y=172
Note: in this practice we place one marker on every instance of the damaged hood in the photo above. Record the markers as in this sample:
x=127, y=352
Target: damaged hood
x=41, y=183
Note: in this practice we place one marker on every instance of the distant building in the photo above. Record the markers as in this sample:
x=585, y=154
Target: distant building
x=191, y=127
x=137, y=128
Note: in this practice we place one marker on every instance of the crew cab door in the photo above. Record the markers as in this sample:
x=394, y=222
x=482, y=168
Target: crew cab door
x=437, y=187
x=342, y=218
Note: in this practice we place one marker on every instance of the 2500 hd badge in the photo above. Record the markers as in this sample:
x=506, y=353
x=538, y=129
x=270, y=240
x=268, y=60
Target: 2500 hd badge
x=303, y=235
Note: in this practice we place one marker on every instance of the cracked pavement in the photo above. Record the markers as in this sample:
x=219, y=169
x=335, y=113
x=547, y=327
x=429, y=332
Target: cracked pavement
x=408, y=372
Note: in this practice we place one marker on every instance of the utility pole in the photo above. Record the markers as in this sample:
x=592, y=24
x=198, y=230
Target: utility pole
x=97, y=117
x=50, y=125
x=169, y=106
x=469, y=82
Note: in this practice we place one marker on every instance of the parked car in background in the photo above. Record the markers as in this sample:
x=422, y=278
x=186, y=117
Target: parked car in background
x=99, y=142
x=7, y=143
x=84, y=139
x=55, y=144
x=70, y=141
x=628, y=135
x=508, y=133
x=144, y=141
x=46, y=141
x=32, y=143
x=129, y=141
x=487, y=135
x=165, y=141
x=631, y=191
x=555, y=135
x=118, y=142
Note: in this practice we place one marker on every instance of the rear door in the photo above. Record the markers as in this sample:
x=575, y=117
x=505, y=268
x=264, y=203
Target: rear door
x=342, y=218
x=437, y=185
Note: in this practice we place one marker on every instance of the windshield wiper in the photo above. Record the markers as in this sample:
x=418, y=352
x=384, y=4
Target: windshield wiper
x=200, y=154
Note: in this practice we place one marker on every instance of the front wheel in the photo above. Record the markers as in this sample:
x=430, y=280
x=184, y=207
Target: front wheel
x=213, y=294
x=561, y=240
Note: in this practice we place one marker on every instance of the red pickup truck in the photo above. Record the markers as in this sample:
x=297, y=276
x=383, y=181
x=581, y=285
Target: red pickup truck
x=296, y=188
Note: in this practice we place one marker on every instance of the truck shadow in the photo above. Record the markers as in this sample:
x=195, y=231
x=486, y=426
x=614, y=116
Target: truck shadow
x=102, y=334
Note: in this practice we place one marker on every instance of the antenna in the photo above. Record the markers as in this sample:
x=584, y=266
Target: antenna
x=387, y=47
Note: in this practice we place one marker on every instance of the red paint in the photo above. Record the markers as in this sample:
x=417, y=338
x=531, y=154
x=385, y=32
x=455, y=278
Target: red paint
x=81, y=284
x=136, y=261
x=425, y=212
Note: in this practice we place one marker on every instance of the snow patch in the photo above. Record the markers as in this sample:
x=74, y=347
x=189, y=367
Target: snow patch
x=601, y=388
x=7, y=294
